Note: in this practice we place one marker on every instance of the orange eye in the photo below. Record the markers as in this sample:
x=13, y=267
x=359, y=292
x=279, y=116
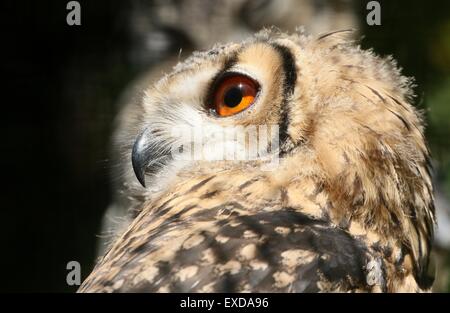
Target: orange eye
x=234, y=94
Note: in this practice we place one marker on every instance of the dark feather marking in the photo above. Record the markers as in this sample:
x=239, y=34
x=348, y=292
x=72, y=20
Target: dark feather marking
x=248, y=183
x=398, y=102
x=290, y=79
x=209, y=194
x=405, y=123
x=334, y=32
x=226, y=283
x=162, y=212
x=367, y=98
x=164, y=204
x=376, y=93
x=200, y=184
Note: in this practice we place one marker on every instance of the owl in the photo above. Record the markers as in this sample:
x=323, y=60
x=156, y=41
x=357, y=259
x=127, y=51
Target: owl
x=283, y=163
x=162, y=31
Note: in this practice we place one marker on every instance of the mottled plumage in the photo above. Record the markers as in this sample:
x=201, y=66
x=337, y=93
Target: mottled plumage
x=349, y=207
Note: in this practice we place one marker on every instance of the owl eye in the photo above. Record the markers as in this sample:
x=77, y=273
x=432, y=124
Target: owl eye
x=234, y=94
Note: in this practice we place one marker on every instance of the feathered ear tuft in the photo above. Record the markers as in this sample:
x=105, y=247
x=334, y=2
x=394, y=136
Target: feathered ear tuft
x=338, y=37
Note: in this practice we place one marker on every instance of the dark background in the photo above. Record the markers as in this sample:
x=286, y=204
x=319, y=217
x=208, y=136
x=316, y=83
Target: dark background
x=59, y=92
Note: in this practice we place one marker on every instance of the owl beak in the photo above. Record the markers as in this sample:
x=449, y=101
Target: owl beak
x=141, y=156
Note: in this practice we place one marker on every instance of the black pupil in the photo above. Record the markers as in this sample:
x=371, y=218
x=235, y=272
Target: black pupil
x=233, y=97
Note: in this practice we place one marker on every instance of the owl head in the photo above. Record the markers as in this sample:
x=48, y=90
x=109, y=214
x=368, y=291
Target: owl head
x=325, y=109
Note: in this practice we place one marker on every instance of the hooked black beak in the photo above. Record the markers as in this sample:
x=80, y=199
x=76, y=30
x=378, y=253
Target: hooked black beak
x=150, y=154
x=141, y=156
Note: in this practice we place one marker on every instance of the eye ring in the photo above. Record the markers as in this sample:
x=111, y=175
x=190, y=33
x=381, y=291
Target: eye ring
x=233, y=94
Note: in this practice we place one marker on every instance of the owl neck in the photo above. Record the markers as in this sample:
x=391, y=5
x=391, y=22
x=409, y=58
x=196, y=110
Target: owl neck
x=382, y=195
